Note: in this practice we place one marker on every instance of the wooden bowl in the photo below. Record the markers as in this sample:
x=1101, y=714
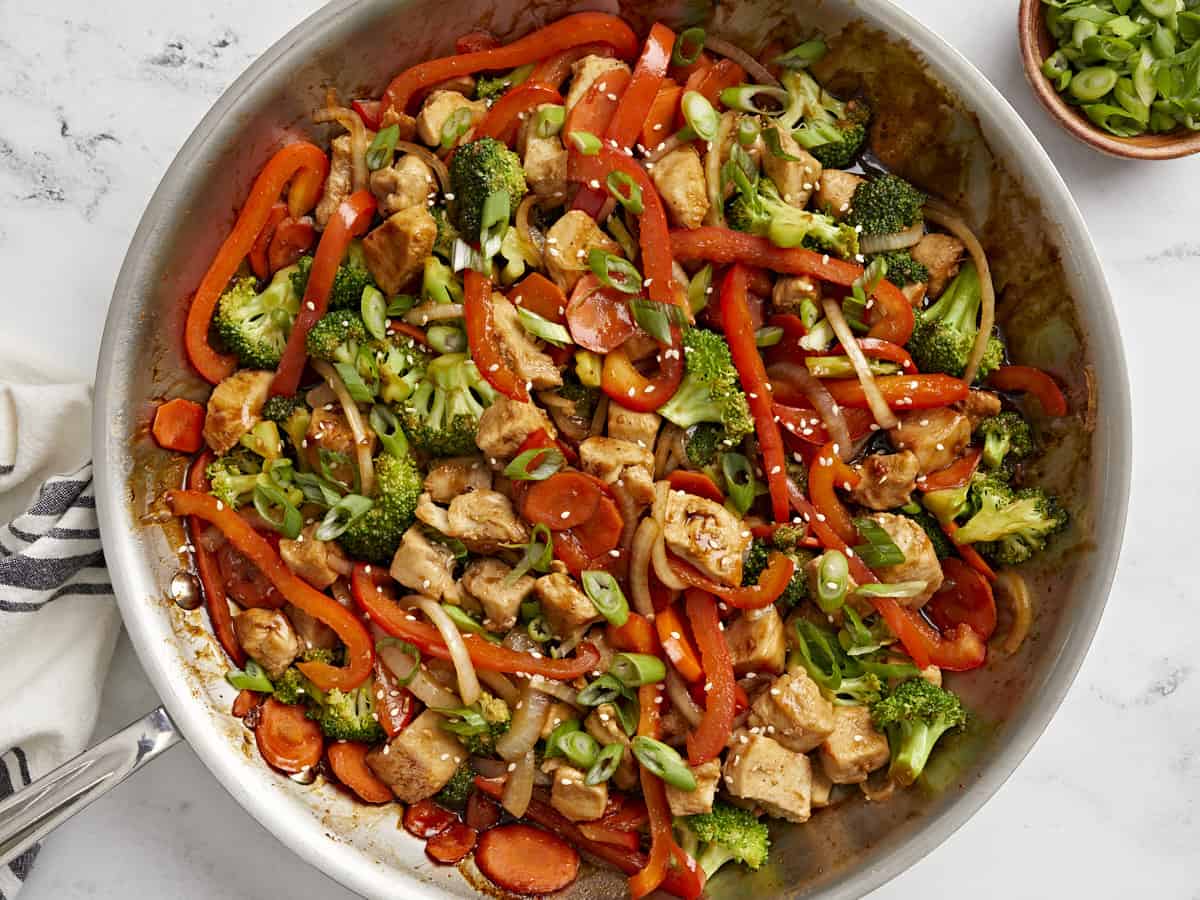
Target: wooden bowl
x=1036, y=46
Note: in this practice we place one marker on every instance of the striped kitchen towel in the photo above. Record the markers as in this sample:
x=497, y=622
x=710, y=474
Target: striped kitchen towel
x=58, y=619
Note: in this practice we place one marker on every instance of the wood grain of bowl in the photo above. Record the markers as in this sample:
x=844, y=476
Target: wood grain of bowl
x=1036, y=45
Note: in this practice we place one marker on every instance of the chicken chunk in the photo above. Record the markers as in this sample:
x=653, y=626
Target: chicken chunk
x=941, y=254
x=484, y=520
x=440, y=106
x=447, y=478
x=612, y=460
x=640, y=428
x=705, y=534
x=887, y=481
x=920, y=559
x=522, y=352
x=420, y=760
x=835, y=190
x=568, y=242
x=407, y=182
x=585, y=72
x=312, y=632
x=338, y=182
x=791, y=291
x=937, y=436
x=564, y=605
x=426, y=567
x=679, y=177
x=690, y=803
x=796, y=179
x=757, y=641
x=793, y=712
x=504, y=426
x=578, y=801
x=311, y=559
x=980, y=405
x=544, y=160
x=396, y=250
x=484, y=580
x=268, y=638
x=406, y=124
x=235, y=407
x=604, y=725
x=763, y=771
x=854, y=749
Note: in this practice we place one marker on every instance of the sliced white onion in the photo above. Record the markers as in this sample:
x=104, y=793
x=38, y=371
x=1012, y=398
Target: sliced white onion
x=430, y=159
x=663, y=569
x=681, y=699
x=712, y=170
x=350, y=120
x=886, y=243
x=599, y=417
x=879, y=409
x=629, y=509
x=640, y=560
x=528, y=719
x=818, y=395
x=362, y=443
x=557, y=690
x=498, y=684
x=433, y=312
x=1011, y=587
x=468, y=681
x=420, y=685
x=952, y=222
x=756, y=70
x=518, y=787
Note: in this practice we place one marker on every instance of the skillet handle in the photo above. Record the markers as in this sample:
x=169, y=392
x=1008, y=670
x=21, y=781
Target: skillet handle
x=33, y=812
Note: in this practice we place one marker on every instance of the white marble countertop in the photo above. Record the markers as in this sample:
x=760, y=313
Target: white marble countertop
x=95, y=99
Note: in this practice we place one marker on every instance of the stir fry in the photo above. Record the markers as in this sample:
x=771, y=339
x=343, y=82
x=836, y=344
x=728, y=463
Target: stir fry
x=605, y=455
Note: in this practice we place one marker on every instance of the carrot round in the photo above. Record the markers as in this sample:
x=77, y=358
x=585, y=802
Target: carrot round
x=179, y=425
x=526, y=860
x=349, y=762
x=562, y=501
x=452, y=844
x=287, y=738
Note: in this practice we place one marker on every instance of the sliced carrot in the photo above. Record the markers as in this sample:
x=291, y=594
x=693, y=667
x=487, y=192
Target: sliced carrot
x=637, y=632
x=244, y=702
x=600, y=533
x=540, y=295
x=676, y=645
x=425, y=819
x=526, y=860
x=287, y=738
x=695, y=483
x=562, y=501
x=349, y=762
x=179, y=425
x=452, y=844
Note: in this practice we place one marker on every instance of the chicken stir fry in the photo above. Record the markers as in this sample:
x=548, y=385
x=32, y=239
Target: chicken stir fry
x=624, y=466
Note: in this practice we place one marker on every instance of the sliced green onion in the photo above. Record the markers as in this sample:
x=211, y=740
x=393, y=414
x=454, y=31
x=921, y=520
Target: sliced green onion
x=656, y=319
x=833, y=579
x=539, y=326
x=278, y=511
x=664, y=762
x=400, y=304
x=342, y=515
x=447, y=339
x=699, y=287
x=555, y=738
x=775, y=145
x=739, y=481
x=1057, y=68
x=880, y=550
x=281, y=473
x=405, y=647
x=608, y=760
x=628, y=713
x=387, y=428
x=456, y=125
x=1092, y=83
x=580, y=749
x=316, y=489
x=585, y=142
x=819, y=337
x=605, y=689
x=530, y=610
x=606, y=595
x=467, y=623
x=898, y=589
x=802, y=55
x=539, y=630
x=494, y=223
x=374, y=312
x=383, y=147
x=1160, y=9
x=748, y=131
x=810, y=313
x=688, y=46
x=328, y=460
x=620, y=232
x=768, y=336
x=252, y=678
x=535, y=465
x=842, y=367
x=548, y=120
x=700, y=115
x=746, y=98
x=614, y=272
x=1143, y=76
x=454, y=545
x=539, y=553
x=358, y=389
x=465, y=721
x=1163, y=42
x=635, y=669
x=625, y=191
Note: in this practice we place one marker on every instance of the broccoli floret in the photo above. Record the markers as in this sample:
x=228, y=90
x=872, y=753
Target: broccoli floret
x=293, y=687
x=454, y=795
x=832, y=130
x=337, y=337
x=279, y=409
x=442, y=416
x=348, y=282
x=376, y=535
x=232, y=477
x=585, y=398
x=478, y=726
x=885, y=205
x=766, y=214
x=402, y=363
x=756, y=561
x=478, y=170
x=902, y=269
x=1010, y=526
x=704, y=443
x=929, y=524
x=443, y=244
x=944, y=333
x=1005, y=436
x=788, y=537
x=710, y=391
x=255, y=326
x=727, y=834
x=492, y=87
x=292, y=415
x=914, y=716
x=349, y=716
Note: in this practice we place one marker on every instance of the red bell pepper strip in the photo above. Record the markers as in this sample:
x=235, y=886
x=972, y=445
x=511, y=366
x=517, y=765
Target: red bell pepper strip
x=482, y=339
x=824, y=475
x=593, y=114
x=292, y=239
x=370, y=111
x=695, y=483
x=395, y=706
x=968, y=553
x=215, y=598
x=179, y=425
x=806, y=425
x=553, y=70
x=724, y=246
x=388, y=615
x=411, y=331
x=1033, y=381
x=660, y=120
x=569, y=31
x=505, y=117
x=624, y=384
x=954, y=475
x=876, y=348
x=675, y=644
x=360, y=648
x=538, y=439
x=303, y=166
x=739, y=332
x=771, y=583
x=476, y=41
x=712, y=734
x=901, y=392
x=538, y=294
x=712, y=80
x=352, y=218
x=965, y=598
x=258, y=253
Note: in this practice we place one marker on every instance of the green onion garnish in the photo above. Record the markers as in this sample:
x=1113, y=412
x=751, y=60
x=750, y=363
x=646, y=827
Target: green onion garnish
x=833, y=579
x=580, y=749
x=541, y=327
x=405, y=647
x=585, y=142
x=606, y=595
x=739, y=481
x=539, y=553
x=456, y=125
x=278, y=511
x=700, y=115
x=625, y=191
x=605, y=689
x=387, y=428
x=252, y=678
x=880, y=550
x=802, y=55
x=775, y=145
x=664, y=762
x=749, y=98
x=383, y=148
x=635, y=669
x=608, y=760
x=342, y=515
x=614, y=272
x=537, y=464
x=548, y=120
x=698, y=288
x=688, y=46
x=494, y=223
x=656, y=319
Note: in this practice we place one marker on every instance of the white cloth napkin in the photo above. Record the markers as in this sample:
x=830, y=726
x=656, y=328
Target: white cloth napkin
x=58, y=618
